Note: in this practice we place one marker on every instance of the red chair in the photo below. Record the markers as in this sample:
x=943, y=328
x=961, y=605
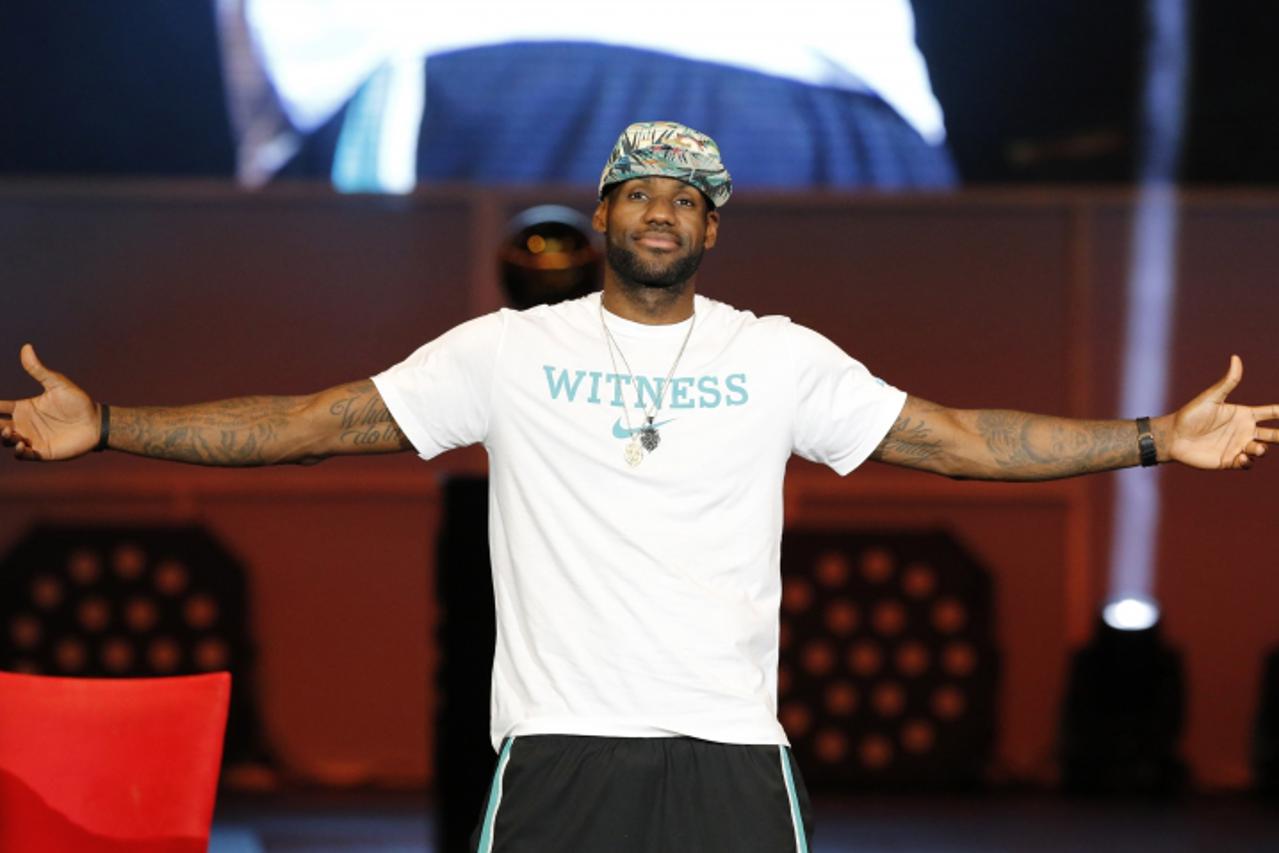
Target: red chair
x=92, y=765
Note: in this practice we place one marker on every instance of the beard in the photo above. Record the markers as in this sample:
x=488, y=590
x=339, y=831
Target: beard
x=635, y=273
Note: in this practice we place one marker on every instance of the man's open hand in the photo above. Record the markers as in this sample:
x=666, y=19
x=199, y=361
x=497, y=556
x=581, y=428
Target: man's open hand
x=61, y=423
x=1208, y=432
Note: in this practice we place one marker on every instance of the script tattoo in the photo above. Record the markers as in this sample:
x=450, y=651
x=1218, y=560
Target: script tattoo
x=365, y=421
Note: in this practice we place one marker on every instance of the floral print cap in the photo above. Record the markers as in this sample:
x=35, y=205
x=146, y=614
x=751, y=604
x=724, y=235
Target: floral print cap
x=667, y=149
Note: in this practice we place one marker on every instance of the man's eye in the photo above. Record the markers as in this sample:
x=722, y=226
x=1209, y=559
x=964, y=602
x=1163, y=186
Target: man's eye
x=636, y=194
x=687, y=202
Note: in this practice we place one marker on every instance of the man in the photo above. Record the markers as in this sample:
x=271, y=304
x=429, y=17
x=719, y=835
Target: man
x=638, y=440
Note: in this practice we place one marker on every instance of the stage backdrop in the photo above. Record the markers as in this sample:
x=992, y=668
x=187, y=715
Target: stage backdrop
x=171, y=293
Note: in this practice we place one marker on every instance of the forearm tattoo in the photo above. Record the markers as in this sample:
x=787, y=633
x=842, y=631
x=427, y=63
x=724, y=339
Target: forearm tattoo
x=1042, y=447
x=993, y=444
x=245, y=431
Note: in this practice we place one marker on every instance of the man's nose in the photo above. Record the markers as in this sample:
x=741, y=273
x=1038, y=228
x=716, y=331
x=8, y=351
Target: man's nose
x=660, y=210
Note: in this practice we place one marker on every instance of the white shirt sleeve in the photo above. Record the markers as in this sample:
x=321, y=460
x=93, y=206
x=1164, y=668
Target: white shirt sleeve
x=842, y=411
x=441, y=395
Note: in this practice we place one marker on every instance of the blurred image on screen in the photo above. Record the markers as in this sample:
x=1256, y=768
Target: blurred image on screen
x=384, y=94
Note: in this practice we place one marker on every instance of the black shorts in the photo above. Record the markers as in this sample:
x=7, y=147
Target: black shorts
x=575, y=794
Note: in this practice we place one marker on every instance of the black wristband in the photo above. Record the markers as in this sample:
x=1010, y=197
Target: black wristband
x=1146, y=443
x=104, y=431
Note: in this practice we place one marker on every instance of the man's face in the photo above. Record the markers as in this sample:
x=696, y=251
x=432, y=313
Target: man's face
x=656, y=230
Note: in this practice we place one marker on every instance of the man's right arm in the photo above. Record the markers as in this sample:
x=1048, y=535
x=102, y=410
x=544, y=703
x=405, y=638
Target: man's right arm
x=250, y=431
x=63, y=422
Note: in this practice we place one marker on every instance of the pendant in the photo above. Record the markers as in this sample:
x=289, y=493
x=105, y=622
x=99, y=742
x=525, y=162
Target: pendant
x=632, y=454
x=649, y=438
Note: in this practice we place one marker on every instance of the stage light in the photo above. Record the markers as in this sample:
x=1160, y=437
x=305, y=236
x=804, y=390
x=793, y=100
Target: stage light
x=550, y=254
x=796, y=718
x=818, y=658
x=841, y=617
x=1123, y=713
x=864, y=659
x=912, y=659
x=841, y=698
x=887, y=676
x=832, y=745
x=832, y=569
x=1131, y=614
x=84, y=566
x=919, y=581
x=25, y=632
x=140, y=614
x=797, y=595
x=46, y=592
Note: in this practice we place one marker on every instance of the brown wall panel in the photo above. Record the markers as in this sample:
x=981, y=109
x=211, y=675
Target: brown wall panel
x=177, y=296
x=918, y=292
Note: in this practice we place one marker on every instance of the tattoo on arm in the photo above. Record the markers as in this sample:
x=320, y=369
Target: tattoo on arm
x=995, y=444
x=245, y=431
x=251, y=431
x=910, y=440
x=364, y=420
x=1043, y=447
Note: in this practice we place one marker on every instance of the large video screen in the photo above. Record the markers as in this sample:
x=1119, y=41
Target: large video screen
x=387, y=94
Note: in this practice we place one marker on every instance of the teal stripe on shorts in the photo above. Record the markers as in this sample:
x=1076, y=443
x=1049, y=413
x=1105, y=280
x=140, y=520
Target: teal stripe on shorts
x=801, y=842
x=495, y=798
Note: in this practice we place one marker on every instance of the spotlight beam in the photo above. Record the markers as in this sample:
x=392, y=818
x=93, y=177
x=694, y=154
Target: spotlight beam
x=1151, y=290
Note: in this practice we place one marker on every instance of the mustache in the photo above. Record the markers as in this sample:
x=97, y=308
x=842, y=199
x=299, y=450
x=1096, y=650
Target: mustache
x=664, y=232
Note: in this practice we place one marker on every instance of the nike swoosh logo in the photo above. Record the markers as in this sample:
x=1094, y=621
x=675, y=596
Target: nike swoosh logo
x=620, y=431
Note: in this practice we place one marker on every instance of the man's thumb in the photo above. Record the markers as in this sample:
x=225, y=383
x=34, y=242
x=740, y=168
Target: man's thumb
x=31, y=363
x=1227, y=383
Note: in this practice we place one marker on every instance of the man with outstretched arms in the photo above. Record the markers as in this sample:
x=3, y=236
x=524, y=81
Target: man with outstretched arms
x=637, y=442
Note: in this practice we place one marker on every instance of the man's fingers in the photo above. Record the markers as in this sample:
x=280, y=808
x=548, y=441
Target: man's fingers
x=1255, y=448
x=1227, y=383
x=1268, y=435
x=1259, y=413
x=9, y=435
x=32, y=364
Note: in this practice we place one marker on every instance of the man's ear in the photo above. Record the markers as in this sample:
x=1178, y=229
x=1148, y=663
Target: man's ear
x=599, y=219
x=712, y=229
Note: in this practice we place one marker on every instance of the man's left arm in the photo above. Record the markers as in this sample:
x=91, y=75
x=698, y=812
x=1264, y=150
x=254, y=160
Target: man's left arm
x=995, y=444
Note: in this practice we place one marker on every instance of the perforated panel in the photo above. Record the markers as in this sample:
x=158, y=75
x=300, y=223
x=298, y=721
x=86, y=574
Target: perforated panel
x=888, y=666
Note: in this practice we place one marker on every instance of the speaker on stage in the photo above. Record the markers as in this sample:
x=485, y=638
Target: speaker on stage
x=464, y=757
x=1265, y=737
x=1123, y=715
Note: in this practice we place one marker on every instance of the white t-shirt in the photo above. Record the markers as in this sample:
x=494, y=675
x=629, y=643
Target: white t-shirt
x=638, y=601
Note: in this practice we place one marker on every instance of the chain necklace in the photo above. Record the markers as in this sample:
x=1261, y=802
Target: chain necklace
x=646, y=438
